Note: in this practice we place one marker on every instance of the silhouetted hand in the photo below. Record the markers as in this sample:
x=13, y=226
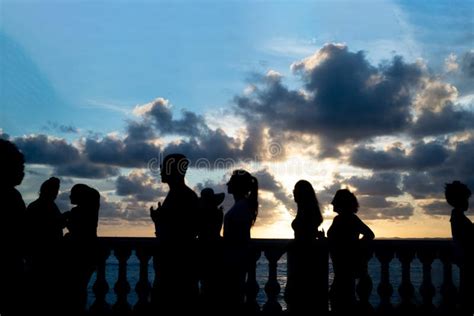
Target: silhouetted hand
x=154, y=213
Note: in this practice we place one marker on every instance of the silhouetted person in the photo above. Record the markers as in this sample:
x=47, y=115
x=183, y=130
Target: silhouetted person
x=45, y=225
x=347, y=252
x=12, y=214
x=211, y=250
x=176, y=227
x=237, y=224
x=457, y=195
x=81, y=246
x=306, y=288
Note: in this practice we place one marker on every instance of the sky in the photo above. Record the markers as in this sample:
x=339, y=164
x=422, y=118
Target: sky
x=374, y=96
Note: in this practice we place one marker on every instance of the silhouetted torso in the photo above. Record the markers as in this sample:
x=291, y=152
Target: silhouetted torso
x=82, y=223
x=237, y=222
x=305, y=226
x=176, y=285
x=210, y=223
x=12, y=216
x=177, y=220
x=45, y=222
x=346, y=229
x=462, y=230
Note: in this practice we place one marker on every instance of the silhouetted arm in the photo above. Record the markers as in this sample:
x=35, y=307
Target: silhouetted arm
x=367, y=233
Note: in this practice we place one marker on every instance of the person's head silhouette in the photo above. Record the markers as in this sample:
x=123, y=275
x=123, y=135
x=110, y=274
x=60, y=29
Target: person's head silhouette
x=242, y=185
x=12, y=164
x=209, y=199
x=49, y=189
x=80, y=194
x=173, y=169
x=345, y=202
x=304, y=192
x=457, y=195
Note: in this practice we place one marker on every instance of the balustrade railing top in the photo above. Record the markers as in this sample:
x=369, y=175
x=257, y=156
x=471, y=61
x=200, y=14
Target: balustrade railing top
x=273, y=252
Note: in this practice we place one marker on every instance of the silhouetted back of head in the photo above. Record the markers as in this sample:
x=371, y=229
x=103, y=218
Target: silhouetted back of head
x=80, y=194
x=457, y=194
x=210, y=199
x=243, y=184
x=93, y=198
x=345, y=202
x=49, y=189
x=12, y=164
x=174, y=167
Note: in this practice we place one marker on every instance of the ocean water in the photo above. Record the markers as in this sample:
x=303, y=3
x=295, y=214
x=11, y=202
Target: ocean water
x=133, y=269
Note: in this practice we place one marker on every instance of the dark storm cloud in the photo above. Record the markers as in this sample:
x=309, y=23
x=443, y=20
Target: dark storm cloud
x=393, y=210
x=86, y=169
x=42, y=149
x=139, y=186
x=190, y=123
x=122, y=153
x=374, y=194
x=379, y=184
x=423, y=185
x=140, y=131
x=448, y=120
x=267, y=182
x=437, y=208
x=346, y=98
x=423, y=156
x=217, y=148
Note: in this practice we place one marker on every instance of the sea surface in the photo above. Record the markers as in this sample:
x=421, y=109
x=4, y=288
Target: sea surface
x=262, y=277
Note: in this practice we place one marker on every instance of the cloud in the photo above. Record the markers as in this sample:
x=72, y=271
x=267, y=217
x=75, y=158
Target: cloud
x=121, y=152
x=43, y=149
x=421, y=157
x=436, y=208
x=159, y=112
x=460, y=70
x=267, y=182
x=62, y=128
x=376, y=195
x=139, y=186
x=448, y=120
x=85, y=169
x=379, y=184
x=344, y=99
x=429, y=184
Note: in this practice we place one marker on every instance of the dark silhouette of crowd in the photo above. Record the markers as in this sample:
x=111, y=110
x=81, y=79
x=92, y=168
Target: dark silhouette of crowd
x=44, y=271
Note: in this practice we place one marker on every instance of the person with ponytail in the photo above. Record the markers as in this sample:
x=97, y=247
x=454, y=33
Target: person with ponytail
x=238, y=222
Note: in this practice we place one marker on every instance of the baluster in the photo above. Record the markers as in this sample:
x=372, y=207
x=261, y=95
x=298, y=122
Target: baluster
x=406, y=288
x=448, y=290
x=364, y=286
x=251, y=286
x=385, y=289
x=143, y=287
x=427, y=289
x=122, y=287
x=272, y=287
x=101, y=287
